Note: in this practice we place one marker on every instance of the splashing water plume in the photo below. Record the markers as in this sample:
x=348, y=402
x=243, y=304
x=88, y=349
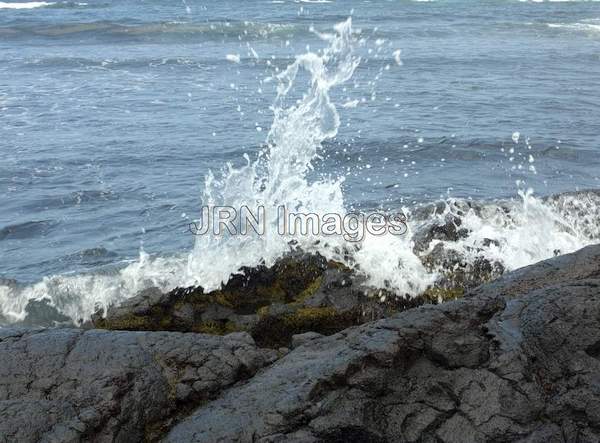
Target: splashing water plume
x=278, y=178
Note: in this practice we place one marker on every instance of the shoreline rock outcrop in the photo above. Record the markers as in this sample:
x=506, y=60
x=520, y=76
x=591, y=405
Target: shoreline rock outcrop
x=517, y=359
x=300, y=293
x=66, y=385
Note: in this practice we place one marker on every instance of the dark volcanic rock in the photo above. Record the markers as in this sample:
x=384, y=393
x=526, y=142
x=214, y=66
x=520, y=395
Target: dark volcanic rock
x=300, y=293
x=449, y=230
x=514, y=360
x=517, y=360
x=68, y=385
x=457, y=273
x=235, y=307
x=433, y=244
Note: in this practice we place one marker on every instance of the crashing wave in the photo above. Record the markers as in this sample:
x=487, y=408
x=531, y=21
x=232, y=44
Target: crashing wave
x=440, y=237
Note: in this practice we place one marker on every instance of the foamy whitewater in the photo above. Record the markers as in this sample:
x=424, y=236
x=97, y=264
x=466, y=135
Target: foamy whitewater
x=36, y=5
x=526, y=229
x=28, y=5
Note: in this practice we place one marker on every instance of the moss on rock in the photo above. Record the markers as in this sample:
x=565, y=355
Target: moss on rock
x=277, y=331
x=299, y=293
x=216, y=327
x=251, y=292
x=437, y=295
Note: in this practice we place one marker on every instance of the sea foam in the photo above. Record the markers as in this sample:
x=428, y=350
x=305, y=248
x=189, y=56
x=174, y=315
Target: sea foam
x=27, y=5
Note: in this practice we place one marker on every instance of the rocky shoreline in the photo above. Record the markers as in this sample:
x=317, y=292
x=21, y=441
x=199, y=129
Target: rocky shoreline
x=311, y=354
x=300, y=293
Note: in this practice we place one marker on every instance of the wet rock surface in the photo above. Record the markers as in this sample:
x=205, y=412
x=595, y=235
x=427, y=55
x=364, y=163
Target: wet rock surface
x=435, y=245
x=449, y=230
x=304, y=292
x=457, y=274
x=67, y=385
x=517, y=359
x=300, y=293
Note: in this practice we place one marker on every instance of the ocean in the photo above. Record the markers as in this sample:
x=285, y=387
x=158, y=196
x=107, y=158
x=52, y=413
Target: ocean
x=120, y=119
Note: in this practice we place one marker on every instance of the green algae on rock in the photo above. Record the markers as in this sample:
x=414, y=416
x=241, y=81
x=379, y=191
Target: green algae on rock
x=299, y=293
x=235, y=307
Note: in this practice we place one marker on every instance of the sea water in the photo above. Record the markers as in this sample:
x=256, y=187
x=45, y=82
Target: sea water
x=121, y=119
